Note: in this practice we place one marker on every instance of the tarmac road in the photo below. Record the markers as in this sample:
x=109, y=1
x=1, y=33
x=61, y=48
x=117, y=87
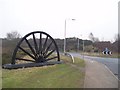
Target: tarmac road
x=111, y=63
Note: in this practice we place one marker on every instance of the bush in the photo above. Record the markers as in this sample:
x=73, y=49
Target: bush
x=6, y=58
x=7, y=50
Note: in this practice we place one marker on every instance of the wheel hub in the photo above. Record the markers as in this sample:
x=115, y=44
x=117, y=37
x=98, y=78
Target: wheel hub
x=40, y=58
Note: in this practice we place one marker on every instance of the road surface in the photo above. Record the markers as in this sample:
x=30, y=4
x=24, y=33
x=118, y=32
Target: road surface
x=111, y=63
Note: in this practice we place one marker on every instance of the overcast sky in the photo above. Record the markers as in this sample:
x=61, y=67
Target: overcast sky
x=97, y=16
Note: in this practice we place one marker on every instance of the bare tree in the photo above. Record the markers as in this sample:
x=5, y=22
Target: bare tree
x=92, y=38
x=96, y=39
x=13, y=35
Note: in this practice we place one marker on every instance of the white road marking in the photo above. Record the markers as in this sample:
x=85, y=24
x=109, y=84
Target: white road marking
x=92, y=61
x=111, y=72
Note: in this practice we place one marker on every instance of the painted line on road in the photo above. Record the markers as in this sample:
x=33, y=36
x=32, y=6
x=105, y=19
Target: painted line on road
x=92, y=61
x=111, y=72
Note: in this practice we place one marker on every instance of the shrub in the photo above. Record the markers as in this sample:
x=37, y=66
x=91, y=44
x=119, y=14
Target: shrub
x=6, y=58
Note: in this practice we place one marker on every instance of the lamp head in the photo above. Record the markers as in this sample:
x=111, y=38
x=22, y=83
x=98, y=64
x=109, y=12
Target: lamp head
x=73, y=19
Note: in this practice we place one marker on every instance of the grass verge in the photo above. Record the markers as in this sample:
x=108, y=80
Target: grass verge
x=65, y=75
x=114, y=55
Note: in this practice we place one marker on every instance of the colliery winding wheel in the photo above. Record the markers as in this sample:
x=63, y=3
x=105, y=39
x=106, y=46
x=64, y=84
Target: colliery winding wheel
x=35, y=49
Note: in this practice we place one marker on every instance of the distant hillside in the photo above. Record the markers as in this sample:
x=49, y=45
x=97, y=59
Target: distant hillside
x=71, y=44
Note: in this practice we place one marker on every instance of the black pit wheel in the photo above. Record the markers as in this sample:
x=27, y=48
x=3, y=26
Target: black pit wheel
x=36, y=47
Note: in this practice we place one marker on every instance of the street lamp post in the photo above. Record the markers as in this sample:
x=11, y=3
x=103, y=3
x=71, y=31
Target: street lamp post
x=65, y=34
x=83, y=45
x=78, y=45
x=83, y=49
x=65, y=38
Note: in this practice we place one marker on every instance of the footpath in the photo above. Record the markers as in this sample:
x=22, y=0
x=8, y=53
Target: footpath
x=98, y=75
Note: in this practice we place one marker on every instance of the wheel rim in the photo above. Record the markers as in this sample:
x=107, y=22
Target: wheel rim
x=39, y=46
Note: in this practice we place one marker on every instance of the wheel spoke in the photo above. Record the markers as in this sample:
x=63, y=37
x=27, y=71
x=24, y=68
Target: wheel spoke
x=44, y=45
x=25, y=59
x=26, y=52
x=35, y=43
x=30, y=46
x=52, y=58
x=46, y=51
x=40, y=43
x=49, y=53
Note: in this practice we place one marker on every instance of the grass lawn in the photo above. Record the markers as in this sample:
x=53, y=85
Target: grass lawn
x=65, y=75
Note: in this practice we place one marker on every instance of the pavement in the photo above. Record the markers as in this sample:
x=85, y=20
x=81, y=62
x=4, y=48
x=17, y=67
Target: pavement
x=97, y=75
x=111, y=63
